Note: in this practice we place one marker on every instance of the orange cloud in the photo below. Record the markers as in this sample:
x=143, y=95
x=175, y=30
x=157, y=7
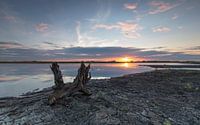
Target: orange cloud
x=131, y=6
x=160, y=6
x=128, y=29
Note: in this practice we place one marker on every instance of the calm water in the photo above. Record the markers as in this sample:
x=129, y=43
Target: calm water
x=16, y=79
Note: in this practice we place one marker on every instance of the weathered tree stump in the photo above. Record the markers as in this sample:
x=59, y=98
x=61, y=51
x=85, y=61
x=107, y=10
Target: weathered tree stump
x=59, y=83
x=67, y=89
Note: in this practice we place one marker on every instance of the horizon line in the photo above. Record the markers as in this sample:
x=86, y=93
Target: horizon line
x=113, y=61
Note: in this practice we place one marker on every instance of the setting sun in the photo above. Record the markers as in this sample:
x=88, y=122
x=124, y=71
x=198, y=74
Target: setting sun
x=125, y=59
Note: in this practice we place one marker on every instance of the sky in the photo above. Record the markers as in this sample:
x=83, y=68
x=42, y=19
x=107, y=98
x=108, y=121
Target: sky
x=99, y=29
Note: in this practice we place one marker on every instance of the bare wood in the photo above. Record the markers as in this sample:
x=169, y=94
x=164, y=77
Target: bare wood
x=57, y=75
x=78, y=85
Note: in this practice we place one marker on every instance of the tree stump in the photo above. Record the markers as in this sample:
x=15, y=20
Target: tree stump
x=67, y=89
x=59, y=83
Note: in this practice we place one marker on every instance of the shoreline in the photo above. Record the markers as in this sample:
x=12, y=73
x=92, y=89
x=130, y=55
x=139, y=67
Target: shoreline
x=172, y=66
x=153, y=97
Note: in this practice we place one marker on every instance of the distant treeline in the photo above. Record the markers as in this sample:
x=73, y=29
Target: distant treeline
x=189, y=62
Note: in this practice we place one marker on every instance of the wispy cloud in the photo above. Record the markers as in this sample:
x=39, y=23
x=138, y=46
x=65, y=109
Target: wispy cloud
x=130, y=6
x=9, y=18
x=161, y=29
x=103, y=12
x=128, y=29
x=193, y=48
x=159, y=48
x=7, y=14
x=174, y=17
x=7, y=45
x=105, y=26
x=50, y=46
x=161, y=6
x=42, y=27
x=86, y=40
x=82, y=38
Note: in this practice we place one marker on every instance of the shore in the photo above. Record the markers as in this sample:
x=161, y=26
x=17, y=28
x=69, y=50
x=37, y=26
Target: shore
x=172, y=66
x=169, y=97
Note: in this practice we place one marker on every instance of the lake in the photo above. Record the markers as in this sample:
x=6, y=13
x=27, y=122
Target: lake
x=16, y=79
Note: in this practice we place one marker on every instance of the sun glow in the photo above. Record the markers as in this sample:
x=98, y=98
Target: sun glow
x=125, y=59
x=126, y=65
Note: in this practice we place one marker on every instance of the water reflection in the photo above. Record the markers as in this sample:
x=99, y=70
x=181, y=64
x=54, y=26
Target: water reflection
x=16, y=79
x=10, y=78
x=126, y=65
x=129, y=65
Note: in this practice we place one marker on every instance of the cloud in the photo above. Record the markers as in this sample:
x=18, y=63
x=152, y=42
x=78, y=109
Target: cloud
x=161, y=29
x=161, y=55
x=104, y=26
x=157, y=48
x=7, y=13
x=85, y=39
x=50, y=46
x=128, y=29
x=91, y=53
x=103, y=12
x=160, y=6
x=10, y=18
x=78, y=32
x=42, y=27
x=175, y=17
x=7, y=45
x=193, y=48
x=82, y=38
x=130, y=6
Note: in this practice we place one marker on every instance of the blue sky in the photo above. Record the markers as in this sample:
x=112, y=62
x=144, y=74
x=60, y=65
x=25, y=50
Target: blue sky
x=168, y=28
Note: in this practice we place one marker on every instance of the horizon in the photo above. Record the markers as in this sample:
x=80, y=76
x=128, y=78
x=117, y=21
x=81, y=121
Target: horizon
x=106, y=30
x=100, y=61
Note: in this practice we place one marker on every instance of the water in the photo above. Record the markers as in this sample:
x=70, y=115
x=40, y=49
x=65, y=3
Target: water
x=16, y=79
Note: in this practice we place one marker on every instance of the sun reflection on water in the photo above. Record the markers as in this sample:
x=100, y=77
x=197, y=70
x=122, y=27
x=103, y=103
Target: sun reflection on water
x=128, y=65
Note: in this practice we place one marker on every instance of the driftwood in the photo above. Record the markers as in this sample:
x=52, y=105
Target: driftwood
x=62, y=89
x=59, y=83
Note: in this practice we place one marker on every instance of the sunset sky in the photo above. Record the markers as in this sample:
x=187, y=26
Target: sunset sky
x=99, y=29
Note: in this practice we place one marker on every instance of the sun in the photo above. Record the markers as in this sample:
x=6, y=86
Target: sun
x=125, y=59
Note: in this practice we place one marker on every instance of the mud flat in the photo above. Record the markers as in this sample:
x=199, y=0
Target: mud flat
x=169, y=97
